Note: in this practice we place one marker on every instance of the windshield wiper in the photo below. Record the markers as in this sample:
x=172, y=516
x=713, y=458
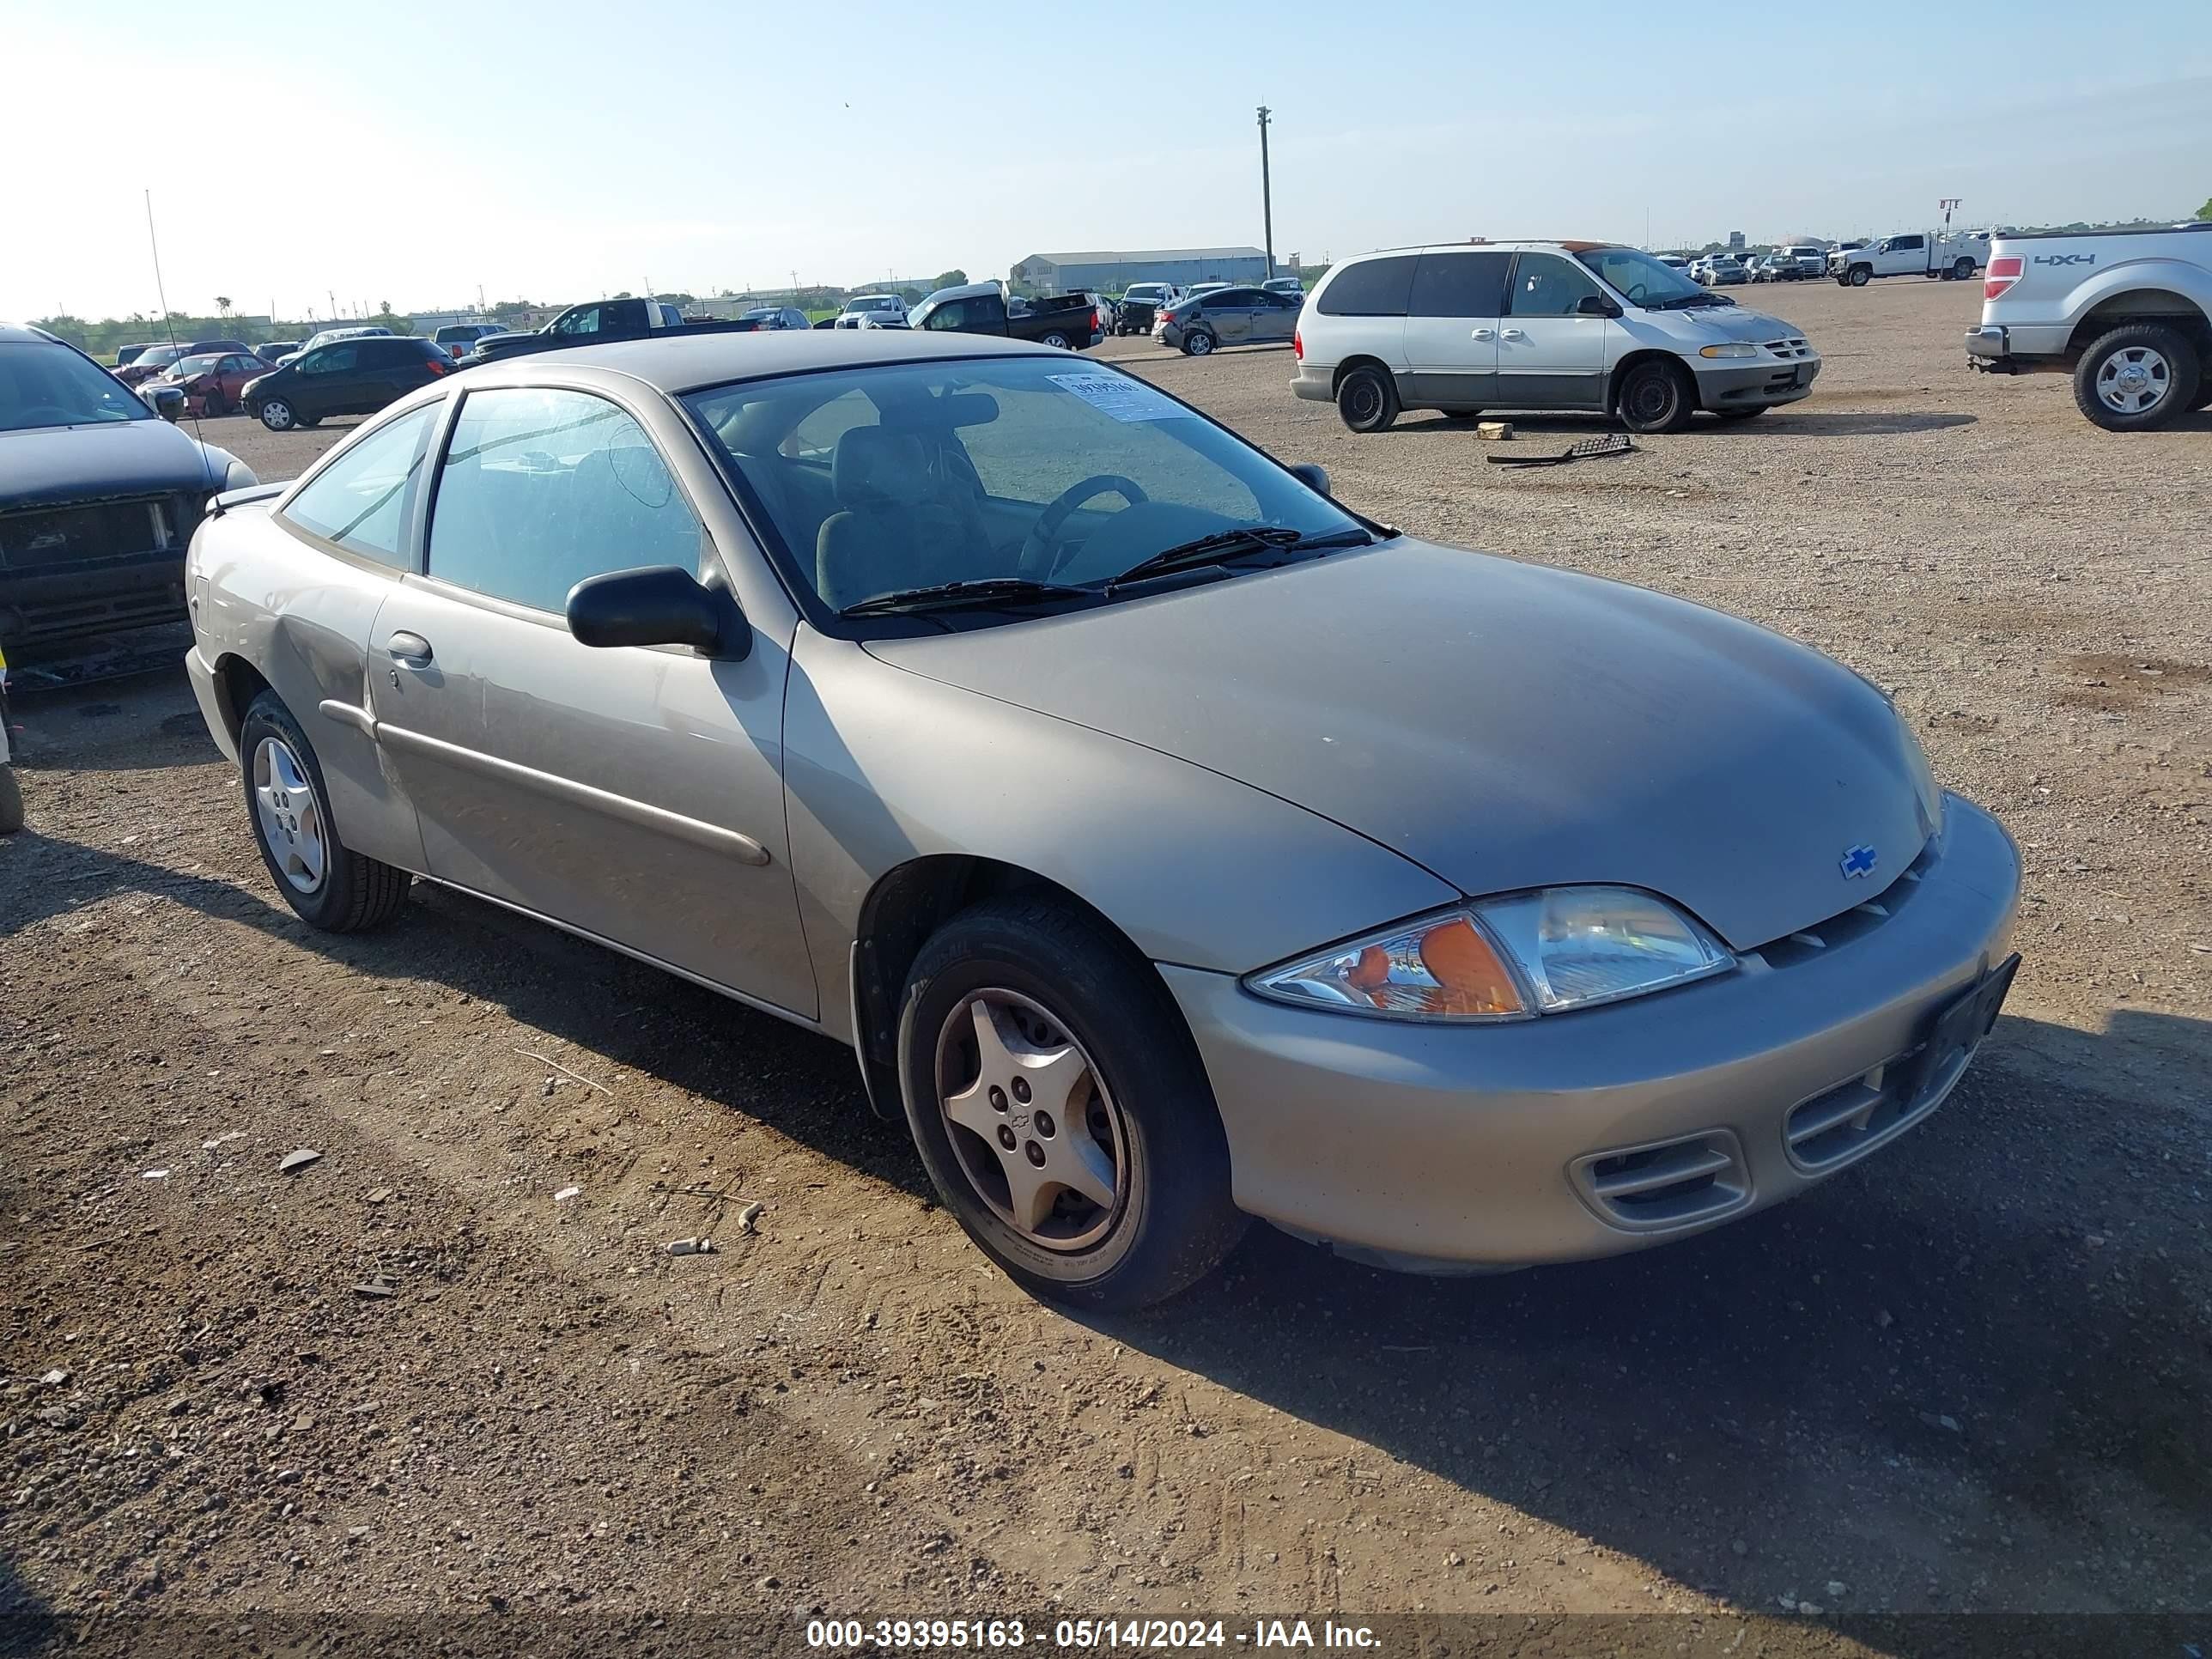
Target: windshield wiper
x=1247, y=538
x=946, y=596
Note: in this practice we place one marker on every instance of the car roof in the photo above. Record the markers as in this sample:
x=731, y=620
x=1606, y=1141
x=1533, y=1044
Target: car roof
x=680, y=364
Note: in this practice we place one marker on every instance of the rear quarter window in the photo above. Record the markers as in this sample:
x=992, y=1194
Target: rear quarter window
x=1372, y=287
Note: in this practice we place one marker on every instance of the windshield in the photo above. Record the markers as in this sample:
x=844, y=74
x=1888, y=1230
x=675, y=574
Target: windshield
x=191, y=365
x=884, y=479
x=44, y=385
x=1637, y=277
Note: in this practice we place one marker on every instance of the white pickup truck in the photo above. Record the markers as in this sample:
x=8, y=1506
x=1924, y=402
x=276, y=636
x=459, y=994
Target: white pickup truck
x=2129, y=312
x=1917, y=253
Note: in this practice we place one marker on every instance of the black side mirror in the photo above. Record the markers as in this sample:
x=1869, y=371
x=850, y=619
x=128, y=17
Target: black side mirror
x=1596, y=305
x=659, y=605
x=1314, y=477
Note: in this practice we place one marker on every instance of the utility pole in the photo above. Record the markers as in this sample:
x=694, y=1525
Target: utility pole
x=1267, y=191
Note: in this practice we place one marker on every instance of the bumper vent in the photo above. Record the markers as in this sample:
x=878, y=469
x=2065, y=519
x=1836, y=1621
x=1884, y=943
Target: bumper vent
x=1853, y=1118
x=1670, y=1183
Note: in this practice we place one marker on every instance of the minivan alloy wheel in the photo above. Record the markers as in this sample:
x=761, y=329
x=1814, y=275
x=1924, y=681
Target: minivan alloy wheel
x=291, y=824
x=1037, y=1135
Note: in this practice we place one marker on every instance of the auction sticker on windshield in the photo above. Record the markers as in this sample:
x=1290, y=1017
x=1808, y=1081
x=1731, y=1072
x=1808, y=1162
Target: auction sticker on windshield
x=1123, y=398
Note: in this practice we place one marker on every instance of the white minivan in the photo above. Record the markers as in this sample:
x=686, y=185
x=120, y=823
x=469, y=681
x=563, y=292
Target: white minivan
x=1589, y=326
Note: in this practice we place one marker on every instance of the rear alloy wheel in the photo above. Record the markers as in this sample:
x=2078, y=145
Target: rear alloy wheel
x=1963, y=269
x=1060, y=1110
x=1367, y=399
x=1197, y=342
x=277, y=415
x=2140, y=376
x=328, y=883
x=1056, y=340
x=1656, y=396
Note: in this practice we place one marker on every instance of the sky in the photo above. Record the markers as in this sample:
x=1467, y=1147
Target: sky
x=417, y=154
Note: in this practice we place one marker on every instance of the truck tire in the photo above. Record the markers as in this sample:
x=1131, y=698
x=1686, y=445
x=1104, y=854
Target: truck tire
x=2137, y=377
x=1658, y=395
x=1963, y=269
x=1055, y=339
x=1367, y=399
x=1859, y=276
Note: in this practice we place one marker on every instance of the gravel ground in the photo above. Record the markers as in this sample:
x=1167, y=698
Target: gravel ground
x=1972, y=1374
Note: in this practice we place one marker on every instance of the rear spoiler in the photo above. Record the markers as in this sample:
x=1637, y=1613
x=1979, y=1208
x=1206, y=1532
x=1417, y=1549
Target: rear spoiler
x=222, y=502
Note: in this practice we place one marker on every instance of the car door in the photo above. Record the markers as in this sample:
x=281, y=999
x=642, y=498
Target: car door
x=1228, y=314
x=1453, y=313
x=1907, y=254
x=1274, y=317
x=1550, y=355
x=633, y=793
x=327, y=379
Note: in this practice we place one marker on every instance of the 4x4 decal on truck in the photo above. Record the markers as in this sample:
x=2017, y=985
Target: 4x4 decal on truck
x=2066, y=258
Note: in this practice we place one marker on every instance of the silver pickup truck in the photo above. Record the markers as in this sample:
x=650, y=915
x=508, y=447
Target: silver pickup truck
x=2129, y=313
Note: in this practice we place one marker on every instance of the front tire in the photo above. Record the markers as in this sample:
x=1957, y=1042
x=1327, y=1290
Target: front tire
x=1367, y=399
x=1060, y=1108
x=1658, y=395
x=327, y=883
x=1861, y=275
x=277, y=415
x=2137, y=377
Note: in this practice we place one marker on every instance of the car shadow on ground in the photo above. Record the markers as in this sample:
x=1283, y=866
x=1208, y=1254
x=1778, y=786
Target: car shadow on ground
x=1790, y=420
x=1997, y=1325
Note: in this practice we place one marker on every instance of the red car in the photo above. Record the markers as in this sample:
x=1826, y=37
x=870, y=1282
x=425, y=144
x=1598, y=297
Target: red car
x=212, y=381
x=161, y=359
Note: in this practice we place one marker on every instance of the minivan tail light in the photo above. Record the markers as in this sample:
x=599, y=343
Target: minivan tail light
x=1297, y=347
x=2002, y=274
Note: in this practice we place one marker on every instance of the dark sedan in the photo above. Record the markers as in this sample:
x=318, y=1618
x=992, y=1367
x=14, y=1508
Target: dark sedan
x=346, y=377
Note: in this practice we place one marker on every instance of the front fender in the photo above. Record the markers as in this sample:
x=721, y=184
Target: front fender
x=884, y=766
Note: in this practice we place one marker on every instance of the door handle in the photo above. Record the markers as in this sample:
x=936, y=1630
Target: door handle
x=1513, y=334
x=409, y=647
x=1485, y=334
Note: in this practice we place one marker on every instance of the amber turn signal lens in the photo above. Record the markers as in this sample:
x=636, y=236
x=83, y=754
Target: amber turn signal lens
x=1469, y=977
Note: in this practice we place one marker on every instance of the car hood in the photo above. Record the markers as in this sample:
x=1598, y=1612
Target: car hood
x=1708, y=324
x=90, y=462
x=1505, y=726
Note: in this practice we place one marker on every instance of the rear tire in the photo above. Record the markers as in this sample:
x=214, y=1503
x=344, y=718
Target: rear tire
x=1055, y=339
x=1197, y=343
x=1065, y=987
x=1963, y=269
x=1367, y=399
x=348, y=893
x=11, y=800
x=1658, y=395
x=2137, y=377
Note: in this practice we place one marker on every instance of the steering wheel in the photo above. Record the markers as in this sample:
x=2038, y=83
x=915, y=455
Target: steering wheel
x=1041, y=553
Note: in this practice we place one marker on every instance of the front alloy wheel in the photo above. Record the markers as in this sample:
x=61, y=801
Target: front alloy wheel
x=1059, y=1106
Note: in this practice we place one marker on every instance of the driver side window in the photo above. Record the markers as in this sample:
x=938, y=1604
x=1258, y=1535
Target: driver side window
x=581, y=322
x=948, y=315
x=1545, y=285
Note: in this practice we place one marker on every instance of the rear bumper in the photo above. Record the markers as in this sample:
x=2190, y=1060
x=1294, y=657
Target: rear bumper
x=1500, y=1146
x=2020, y=348
x=1315, y=383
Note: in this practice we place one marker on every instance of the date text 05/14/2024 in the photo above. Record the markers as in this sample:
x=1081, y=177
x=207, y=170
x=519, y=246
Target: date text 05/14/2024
x=1088, y=1635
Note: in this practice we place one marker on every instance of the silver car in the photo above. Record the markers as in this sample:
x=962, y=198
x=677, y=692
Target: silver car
x=1173, y=844
x=1228, y=316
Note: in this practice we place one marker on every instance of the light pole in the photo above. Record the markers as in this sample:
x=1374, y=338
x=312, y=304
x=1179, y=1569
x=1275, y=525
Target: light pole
x=1267, y=191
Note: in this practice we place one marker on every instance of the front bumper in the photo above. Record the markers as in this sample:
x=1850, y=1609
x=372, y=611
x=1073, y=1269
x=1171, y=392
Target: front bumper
x=1444, y=1147
x=1726, y=384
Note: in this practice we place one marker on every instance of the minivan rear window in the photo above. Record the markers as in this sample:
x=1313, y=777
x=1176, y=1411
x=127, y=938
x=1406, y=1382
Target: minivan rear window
x=1373, y=288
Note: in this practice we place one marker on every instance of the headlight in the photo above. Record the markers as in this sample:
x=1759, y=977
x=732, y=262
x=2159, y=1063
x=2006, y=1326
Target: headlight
x=1542, y=952
x=1733, y=348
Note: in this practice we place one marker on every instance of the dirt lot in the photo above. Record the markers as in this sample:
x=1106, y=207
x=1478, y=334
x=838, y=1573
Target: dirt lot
x=1974, y=1374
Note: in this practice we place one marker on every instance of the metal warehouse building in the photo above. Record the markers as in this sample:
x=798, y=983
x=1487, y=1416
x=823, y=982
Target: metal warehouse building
x=1112, y=272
